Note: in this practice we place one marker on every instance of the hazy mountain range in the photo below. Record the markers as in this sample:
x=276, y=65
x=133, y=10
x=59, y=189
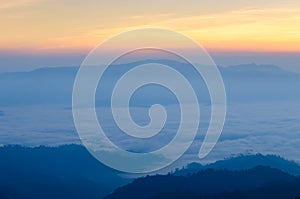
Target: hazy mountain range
x=249, y=82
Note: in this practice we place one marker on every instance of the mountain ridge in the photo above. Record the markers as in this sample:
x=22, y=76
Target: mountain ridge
x=69, y=170
x=244, y=162
x=208, y=183
x=237, y=67
x=55, y=85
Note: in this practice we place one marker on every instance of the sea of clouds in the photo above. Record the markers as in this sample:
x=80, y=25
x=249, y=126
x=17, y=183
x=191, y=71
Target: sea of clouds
x=265, y=127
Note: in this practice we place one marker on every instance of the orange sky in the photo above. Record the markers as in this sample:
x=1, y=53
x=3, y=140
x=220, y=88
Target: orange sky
x=70, y=26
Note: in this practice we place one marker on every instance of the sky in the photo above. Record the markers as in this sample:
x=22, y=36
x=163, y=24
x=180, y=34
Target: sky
x=38, y=33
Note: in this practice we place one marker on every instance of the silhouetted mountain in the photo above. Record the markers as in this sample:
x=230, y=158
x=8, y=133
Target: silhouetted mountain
x=258, y=182
x=54, y=172
x=71, y=172
x=243, y=83
x=245, y=162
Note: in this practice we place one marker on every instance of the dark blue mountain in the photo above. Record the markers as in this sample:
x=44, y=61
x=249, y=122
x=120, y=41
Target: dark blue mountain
x=258, y=182
x=71, y=172
x=54, y=172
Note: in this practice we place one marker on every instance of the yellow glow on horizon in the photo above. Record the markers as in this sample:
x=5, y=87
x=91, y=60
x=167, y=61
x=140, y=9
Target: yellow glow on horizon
x=44, y=25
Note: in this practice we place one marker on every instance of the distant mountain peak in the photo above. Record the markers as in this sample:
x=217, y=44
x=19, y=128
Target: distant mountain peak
x=262, y=68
